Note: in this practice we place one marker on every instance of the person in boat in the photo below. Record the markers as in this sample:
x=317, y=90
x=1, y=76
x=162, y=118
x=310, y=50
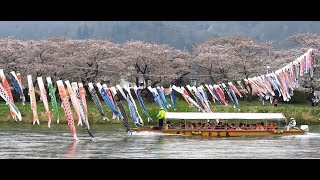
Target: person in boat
x=168, y=125
x=238, y=128
x=230, y=127
x=199, y=125
x=275, y=126
x=218, y=121
x=190, y=125
x=292, y=124
x=211, y=126
x=207, y=126
x=259, y=127
x=161, y=116
x=270, y=127
x=194, y=125
x=262, y=126
x=219, y=126
x=182, y=125
x=241, y=126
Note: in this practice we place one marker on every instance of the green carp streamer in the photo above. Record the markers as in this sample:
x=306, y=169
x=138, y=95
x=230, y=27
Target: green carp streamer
x=54, y=102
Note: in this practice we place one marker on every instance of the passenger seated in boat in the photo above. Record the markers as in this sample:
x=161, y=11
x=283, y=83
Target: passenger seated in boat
x=194, y=125
x=199, y=125
x=270, y=127
x=253, y=127
x=231, y=127
x=182, y=125
x=203, y=125
x=225, y=126
x=219, y=126
x=241, y=126
x=275, y=125
x=207, y=126
x=260, y=127
x=190, y=126
x=211, y=126
x=257, y=126
x=168, y=125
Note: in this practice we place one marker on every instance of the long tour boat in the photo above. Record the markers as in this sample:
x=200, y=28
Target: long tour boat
x=228, y=124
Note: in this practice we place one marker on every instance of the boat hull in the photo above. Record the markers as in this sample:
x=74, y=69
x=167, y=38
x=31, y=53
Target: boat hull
x=222, y=133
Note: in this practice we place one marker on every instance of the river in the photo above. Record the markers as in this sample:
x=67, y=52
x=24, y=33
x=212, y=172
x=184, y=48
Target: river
x=19, y=141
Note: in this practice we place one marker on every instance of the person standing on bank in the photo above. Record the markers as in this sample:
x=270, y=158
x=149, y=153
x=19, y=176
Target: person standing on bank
x=275, y=102
x=161, y=116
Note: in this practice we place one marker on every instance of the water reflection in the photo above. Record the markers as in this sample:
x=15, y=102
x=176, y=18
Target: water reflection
x=26, y=142
x=125, y=139
x=161, y=140
x=71, y=150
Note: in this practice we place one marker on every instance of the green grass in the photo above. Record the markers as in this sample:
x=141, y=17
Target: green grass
x=302, y=112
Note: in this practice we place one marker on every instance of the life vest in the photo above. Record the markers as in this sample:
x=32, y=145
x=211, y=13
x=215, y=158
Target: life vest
x=161, y=114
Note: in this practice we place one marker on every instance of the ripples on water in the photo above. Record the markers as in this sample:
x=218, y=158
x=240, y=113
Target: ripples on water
x=111, y=142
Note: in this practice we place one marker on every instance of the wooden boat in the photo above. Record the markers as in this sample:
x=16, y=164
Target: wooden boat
x=228, y=117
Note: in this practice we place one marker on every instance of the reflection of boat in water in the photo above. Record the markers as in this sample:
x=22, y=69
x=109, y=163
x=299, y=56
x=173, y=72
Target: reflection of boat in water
x=224, y=130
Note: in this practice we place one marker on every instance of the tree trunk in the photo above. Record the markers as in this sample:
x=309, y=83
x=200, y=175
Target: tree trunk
x=248, y=87
x=212, y=79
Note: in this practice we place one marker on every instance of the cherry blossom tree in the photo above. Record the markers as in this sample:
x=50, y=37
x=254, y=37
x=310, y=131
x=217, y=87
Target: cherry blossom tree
x=159, y=63
x=232, y=58
x=94, y=60
x=61, y=58
x=212, y=60
x=306, y=41
x=11, y=54
x=41, y=59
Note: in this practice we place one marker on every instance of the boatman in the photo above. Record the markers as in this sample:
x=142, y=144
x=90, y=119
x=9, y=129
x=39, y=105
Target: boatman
x=160, y=117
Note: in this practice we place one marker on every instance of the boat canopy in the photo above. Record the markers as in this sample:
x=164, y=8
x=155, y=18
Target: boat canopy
x=222, y=115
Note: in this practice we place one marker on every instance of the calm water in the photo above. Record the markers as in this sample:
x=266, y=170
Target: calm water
x=26, y=141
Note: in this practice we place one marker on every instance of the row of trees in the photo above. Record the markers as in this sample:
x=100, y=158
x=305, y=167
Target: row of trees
x=93, y=60
x=216, y=60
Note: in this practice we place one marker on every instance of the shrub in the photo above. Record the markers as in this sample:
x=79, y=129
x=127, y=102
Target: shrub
x=298, y=97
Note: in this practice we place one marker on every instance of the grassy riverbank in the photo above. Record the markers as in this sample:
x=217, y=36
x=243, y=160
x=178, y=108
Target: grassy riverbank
x=303, y=112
